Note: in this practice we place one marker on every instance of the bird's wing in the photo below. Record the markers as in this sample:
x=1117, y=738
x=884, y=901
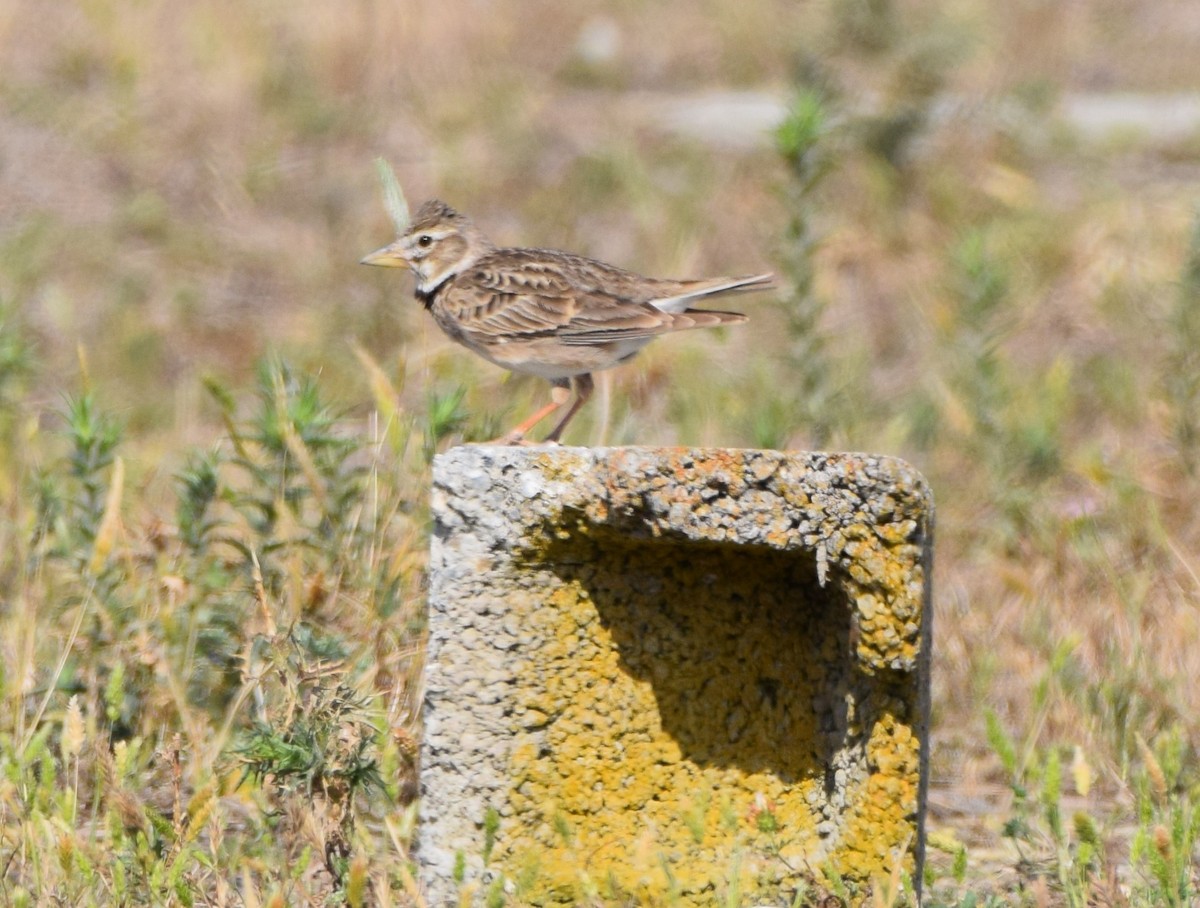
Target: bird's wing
x=527, y=294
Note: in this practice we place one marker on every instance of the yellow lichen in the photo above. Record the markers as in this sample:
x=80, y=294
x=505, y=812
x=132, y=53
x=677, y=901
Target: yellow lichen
x=676, y=725
x=674, y=679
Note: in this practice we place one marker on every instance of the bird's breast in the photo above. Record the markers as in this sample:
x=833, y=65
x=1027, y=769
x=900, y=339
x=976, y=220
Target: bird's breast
x=447, y=321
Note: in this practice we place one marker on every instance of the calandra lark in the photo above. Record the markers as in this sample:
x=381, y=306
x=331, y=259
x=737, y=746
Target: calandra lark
x=544, y=312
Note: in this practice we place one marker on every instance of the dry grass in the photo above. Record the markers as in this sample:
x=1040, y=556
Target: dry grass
x=186, y=189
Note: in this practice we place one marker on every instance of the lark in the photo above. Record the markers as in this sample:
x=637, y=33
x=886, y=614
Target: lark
x=543, y=312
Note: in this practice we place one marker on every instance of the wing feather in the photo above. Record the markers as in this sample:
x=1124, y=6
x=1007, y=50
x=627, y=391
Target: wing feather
x=524, y=294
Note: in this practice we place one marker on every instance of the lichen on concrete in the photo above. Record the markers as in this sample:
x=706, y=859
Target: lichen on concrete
x=671, y=672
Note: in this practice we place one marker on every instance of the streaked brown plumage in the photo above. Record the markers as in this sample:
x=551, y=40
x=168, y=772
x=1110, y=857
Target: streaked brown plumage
x=544, y=312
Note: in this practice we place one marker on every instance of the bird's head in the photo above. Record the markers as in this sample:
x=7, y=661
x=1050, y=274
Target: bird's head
x=437, y=245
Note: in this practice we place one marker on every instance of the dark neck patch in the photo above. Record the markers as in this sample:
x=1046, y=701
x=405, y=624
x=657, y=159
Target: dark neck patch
x=427, y=297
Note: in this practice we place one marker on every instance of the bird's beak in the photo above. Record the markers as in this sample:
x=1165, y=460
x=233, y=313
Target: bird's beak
x=387, y=257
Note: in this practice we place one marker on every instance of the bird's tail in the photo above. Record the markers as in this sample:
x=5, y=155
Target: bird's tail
x=688, y=292
x=704, y=318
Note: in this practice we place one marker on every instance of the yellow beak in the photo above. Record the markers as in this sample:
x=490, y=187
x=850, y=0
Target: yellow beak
x=387, y=257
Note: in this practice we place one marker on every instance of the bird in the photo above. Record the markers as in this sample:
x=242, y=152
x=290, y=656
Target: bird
x=544, y=312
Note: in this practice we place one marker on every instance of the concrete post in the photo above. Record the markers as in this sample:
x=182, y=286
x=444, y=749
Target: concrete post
x=673, y=676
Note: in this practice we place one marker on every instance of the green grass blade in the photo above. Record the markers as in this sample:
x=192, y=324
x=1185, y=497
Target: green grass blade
x=393, y=196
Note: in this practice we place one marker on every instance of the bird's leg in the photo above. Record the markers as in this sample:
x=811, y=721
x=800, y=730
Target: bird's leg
x=583, y=390
x=559, y=395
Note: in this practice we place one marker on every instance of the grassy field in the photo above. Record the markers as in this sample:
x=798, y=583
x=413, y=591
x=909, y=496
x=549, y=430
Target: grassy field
x=215, y=427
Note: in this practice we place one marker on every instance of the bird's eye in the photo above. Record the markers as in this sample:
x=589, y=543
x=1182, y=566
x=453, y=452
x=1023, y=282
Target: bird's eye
x=424, y=239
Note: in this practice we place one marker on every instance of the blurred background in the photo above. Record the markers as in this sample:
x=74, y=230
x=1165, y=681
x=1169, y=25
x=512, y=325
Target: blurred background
x=984, y=221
